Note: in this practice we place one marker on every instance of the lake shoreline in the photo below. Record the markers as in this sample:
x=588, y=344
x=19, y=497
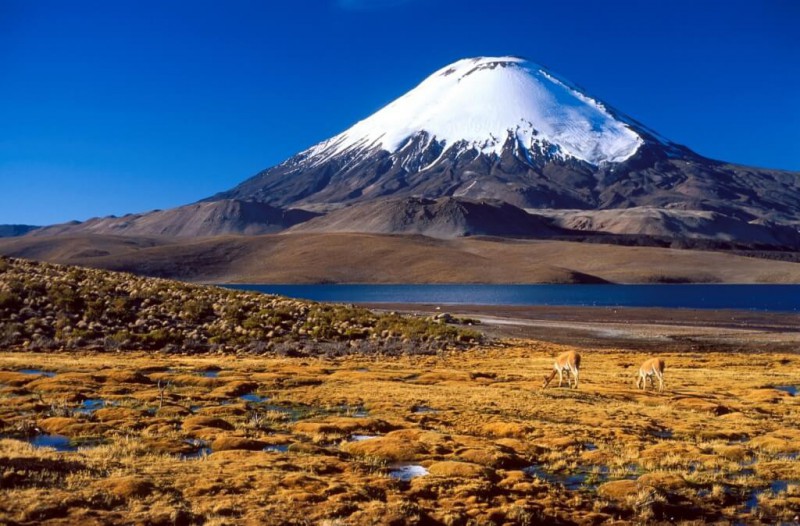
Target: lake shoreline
x=767, y=298
x=646, y=329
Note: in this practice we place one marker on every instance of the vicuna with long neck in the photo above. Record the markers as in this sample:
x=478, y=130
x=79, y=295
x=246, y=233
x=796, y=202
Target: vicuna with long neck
x=651, y=369
x=568, y=362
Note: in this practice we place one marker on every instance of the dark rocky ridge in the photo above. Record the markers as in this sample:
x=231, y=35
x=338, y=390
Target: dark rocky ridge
x=444, y=218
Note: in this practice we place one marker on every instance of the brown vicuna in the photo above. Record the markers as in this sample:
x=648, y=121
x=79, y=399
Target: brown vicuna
x=568, y=362
x=652, y=369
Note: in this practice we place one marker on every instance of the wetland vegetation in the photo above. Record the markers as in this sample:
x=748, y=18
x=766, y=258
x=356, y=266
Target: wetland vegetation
x=430, y=431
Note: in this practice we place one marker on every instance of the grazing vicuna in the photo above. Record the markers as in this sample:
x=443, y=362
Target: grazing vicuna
x=652, y=369
x=568, y=362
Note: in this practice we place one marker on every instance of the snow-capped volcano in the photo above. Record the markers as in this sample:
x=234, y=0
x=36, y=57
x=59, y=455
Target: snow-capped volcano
x=495, y=146
x=480, y=103
x=502, y=128
x=506, y=130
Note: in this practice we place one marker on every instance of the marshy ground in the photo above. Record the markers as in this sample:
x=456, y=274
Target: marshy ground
x=461, y=437
x=253, y=409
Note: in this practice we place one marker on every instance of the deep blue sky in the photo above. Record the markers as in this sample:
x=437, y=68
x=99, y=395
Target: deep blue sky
x=118, y=106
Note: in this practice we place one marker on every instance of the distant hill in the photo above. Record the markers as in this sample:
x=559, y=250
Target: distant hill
x=16, y=230
x=392, y=258
x=228, y=216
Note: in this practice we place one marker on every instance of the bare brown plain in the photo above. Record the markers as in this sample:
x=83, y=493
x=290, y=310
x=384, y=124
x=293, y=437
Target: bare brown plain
x=370, y=258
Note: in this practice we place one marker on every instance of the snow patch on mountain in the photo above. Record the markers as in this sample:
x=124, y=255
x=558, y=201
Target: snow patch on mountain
x=482, y=103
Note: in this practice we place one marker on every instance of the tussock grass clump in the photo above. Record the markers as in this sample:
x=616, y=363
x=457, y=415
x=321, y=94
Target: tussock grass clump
x=45, y=306
x=356, y=438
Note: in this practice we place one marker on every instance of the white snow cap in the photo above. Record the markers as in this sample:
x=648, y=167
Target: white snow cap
x=483, y=100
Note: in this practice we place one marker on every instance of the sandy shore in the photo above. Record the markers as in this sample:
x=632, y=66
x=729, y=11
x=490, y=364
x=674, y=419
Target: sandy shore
x=651, y=329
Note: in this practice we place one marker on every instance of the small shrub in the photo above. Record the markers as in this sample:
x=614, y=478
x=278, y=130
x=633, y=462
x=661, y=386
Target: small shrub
x=10, y=300
x=122, y=309
x=11, y=333
x=197, y=310
x=66, y=298
x=155, y=339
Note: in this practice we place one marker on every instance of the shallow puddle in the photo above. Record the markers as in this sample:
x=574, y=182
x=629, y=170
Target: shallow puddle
x=587, y=478
x=57, y=442
x=791, y=389
x=254, y=398
x=60, y=443
x=775, y=487
x=91, y=405
x=209, y=374
x=571, y=481
x=39, y=372
x=780, y=486
x=202, y=449
x=407, y=471
x=354, y=411
x=277, y=448
x=423, y=410
x=361, y=438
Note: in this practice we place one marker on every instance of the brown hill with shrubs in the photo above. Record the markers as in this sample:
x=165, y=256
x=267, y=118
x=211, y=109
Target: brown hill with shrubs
x=45, y=306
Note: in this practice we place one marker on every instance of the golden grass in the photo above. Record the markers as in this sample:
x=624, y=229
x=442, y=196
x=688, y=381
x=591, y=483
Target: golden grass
x=497, y=448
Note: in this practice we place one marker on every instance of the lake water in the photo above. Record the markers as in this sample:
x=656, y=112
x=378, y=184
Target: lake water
x=751, y=297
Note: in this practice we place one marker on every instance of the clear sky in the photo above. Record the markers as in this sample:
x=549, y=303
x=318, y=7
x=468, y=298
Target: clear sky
x=116, y=106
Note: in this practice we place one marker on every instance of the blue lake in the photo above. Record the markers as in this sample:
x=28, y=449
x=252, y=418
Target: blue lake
x=750, y=297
